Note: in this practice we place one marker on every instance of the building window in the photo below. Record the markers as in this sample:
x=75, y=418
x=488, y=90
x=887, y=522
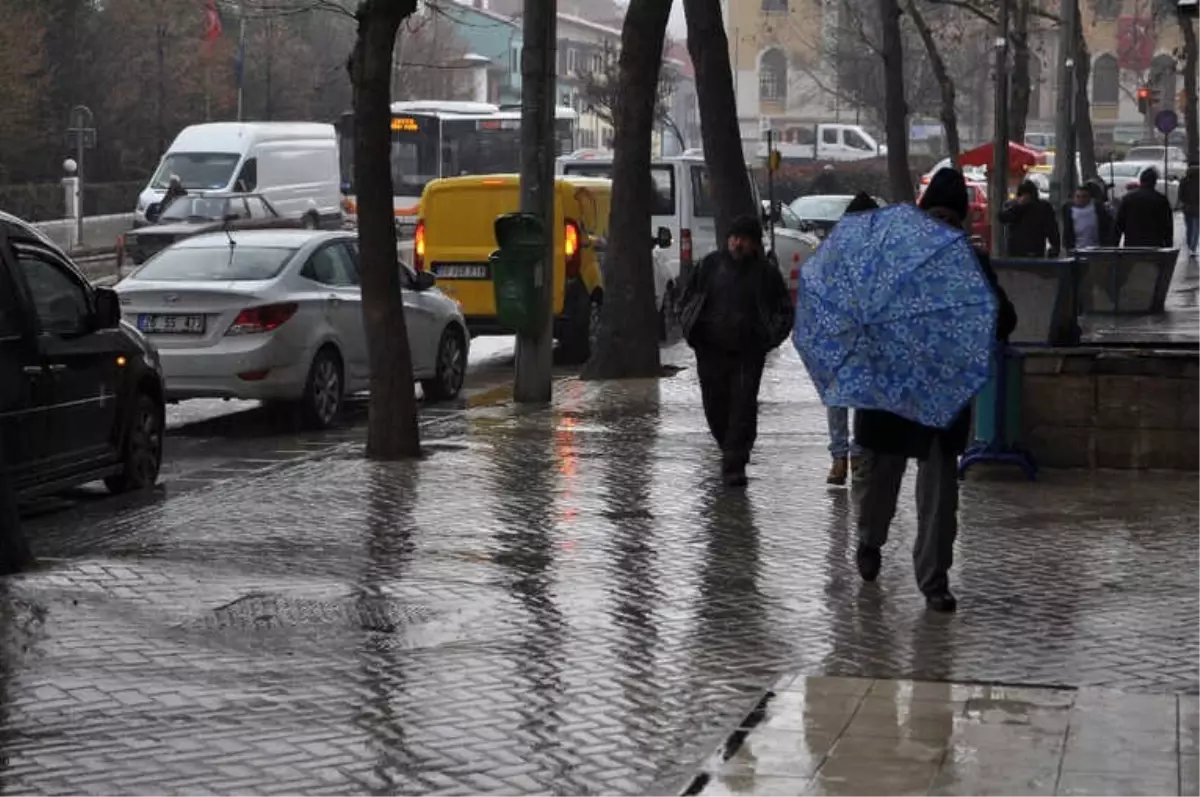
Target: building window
x=774, y=5
x=1106, y=80
x=572, y=58
x=1108, y=9
x=1162, y=77
x=772, y=77
x=597, y=63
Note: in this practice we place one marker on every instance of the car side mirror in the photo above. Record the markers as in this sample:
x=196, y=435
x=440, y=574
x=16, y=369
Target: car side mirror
x=663, y=238
x=153, y=211
x=424, y=280
x=108, y=309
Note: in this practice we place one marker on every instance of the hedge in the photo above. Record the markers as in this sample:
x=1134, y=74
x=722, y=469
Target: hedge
x=44, y=201
x=795, y=179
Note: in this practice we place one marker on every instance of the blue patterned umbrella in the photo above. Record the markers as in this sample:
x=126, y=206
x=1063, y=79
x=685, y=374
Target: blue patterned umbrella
x=894, y=313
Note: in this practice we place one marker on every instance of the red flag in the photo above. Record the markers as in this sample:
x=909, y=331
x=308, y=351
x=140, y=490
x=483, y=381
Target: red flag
x=212, y=21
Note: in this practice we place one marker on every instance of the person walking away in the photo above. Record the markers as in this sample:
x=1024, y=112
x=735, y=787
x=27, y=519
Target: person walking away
x=1189, y=204
x=826, y=182
x=1145, y=217
x=735, y=309
x=842, y=447
x=889, y=441
x=1086, y=222
x=1032, y=226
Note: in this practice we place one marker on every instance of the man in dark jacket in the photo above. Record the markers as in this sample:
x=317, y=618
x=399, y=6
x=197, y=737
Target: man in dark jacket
x=735, y=309
x=1086, y=221
x=1032, y=226
x=1189, y=204
x=1144, y=218
x=890, y=441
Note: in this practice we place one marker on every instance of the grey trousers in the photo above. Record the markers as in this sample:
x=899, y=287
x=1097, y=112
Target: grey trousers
x=937, y=510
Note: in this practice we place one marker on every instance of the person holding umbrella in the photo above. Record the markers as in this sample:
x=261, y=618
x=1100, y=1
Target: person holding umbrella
x=898, y=317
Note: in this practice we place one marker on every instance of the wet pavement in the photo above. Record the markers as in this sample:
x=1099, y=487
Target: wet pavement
x=559, y=600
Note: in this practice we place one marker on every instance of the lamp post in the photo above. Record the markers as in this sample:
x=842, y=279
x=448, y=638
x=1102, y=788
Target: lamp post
x=999, y=176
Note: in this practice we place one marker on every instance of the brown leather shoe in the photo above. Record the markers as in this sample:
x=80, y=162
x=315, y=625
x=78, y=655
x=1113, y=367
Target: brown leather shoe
x=837, y=472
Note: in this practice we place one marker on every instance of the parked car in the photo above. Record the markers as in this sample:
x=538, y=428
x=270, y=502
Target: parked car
x=1124, y=176
x=1173, y=158
x=294, y=164
x=818, y=213
x=200, y=213
x=82, y=395
x=276, y=315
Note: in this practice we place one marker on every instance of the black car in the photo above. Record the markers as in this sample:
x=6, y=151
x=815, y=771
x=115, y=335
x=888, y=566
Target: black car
x=194, y=214
x=81, y=392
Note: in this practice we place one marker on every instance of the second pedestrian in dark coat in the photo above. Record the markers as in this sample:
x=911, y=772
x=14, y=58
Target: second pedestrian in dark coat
x=889, y=441
x=1032, y=226
x=1145, y=218
x=735, y=309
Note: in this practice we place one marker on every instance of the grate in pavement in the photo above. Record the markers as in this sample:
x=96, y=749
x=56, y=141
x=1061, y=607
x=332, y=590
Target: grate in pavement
x=260, y=611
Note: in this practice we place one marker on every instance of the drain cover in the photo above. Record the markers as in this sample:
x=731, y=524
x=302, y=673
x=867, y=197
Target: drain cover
x=259, y=611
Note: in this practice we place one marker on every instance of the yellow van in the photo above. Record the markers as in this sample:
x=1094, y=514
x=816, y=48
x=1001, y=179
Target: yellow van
x=455, y=235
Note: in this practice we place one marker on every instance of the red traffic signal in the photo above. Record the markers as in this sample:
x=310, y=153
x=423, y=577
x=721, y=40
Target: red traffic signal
x=1143, y=100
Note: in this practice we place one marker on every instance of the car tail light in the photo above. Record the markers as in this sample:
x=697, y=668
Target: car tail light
x=685, y=249
x=419, y=246
x=571, y=248
x=256, y=320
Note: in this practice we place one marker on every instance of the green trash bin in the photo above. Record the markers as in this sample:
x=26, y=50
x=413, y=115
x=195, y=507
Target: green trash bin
x=988, y=416
x=517, y=273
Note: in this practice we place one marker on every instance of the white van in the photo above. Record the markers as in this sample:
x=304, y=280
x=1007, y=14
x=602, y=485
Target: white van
x=293, y=164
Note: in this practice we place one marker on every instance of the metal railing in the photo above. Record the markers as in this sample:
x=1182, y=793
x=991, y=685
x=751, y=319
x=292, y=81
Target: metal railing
x=100, y=233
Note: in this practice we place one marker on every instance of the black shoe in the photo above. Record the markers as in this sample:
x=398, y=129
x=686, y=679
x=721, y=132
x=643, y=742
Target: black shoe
x=736, y=477
x=869, y=560
x=943, y=601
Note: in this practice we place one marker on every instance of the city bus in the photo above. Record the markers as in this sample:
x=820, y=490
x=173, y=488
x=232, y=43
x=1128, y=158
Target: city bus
x=471, y=137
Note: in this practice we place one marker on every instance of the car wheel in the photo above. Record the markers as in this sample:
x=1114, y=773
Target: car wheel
x=666, y=314
x=322, y=400
x=141, y=453
x=451, y=368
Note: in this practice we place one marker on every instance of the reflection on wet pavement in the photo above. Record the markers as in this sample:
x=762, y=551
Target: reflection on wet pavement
x=567, y=600
x=857, y=736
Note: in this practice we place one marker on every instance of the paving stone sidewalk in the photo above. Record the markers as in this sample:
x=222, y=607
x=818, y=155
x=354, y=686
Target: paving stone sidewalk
x=562, y=600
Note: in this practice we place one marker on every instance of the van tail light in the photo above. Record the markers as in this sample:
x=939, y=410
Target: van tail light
x=257, y=320
x=419, y=246
x=571, y=248
x=685, y=250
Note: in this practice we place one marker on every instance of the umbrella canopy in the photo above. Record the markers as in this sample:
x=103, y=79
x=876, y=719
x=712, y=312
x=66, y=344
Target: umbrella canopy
x=894, y=313
x=1020, y=158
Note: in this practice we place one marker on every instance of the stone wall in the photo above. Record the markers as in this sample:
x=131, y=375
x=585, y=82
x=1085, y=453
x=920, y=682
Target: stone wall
x=1105, y=408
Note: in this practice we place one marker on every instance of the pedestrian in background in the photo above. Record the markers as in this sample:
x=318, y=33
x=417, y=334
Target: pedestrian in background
x=1031, y=222
x=1145, y=217
x=842, y=447
x=735, y=309
x=1086, y=221
x=890, y=440
x=1189, y=205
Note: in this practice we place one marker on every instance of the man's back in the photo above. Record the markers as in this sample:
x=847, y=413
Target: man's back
x=1145, y=219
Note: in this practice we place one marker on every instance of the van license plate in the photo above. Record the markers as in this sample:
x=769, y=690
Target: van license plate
x=461, y=271
x=171, y=324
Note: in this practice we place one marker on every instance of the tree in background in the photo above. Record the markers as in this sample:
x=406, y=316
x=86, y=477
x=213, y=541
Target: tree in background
x=948, y=112
x=729, y=182
x=22, y=90
x=392, y=431
x=627, y=344
x=426, y=59
x=601, y=89
x=1191, y=66
x=895, y=107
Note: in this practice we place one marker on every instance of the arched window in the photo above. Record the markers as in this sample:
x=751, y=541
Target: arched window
x=1162, y=77
x=772, y=77
x=1106, y=81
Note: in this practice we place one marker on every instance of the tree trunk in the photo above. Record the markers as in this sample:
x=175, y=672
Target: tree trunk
x=894, y=105
x=719, y=131
x=1020, y=90
x=1191, y=64
x=1085, y=140
x=392, y=431
x=627, y=345
x=947, y=112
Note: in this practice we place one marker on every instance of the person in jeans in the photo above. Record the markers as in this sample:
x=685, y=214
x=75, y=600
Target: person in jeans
x=842, y=448
x=890, y=441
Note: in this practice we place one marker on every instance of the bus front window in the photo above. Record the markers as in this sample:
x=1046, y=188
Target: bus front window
x=414, y=160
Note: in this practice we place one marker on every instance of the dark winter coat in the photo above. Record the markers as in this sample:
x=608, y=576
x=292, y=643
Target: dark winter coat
x=1189, y=193
x=1145, y=219
x=887, y=433
x=1104, y=220
x=1031, y=227
x=761, y=295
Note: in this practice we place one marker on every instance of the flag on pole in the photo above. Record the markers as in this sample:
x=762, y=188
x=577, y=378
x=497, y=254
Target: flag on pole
x=212, y=21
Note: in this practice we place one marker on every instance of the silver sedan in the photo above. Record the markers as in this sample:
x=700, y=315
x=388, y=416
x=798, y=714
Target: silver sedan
x=277, y=316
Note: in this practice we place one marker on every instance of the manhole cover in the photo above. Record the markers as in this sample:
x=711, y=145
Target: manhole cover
x=261, y=611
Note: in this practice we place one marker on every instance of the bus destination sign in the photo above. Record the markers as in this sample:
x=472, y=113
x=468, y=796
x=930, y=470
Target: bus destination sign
x=404, y=124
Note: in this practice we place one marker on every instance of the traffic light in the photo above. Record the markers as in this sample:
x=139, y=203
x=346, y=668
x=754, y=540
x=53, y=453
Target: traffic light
x=1143, y=100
